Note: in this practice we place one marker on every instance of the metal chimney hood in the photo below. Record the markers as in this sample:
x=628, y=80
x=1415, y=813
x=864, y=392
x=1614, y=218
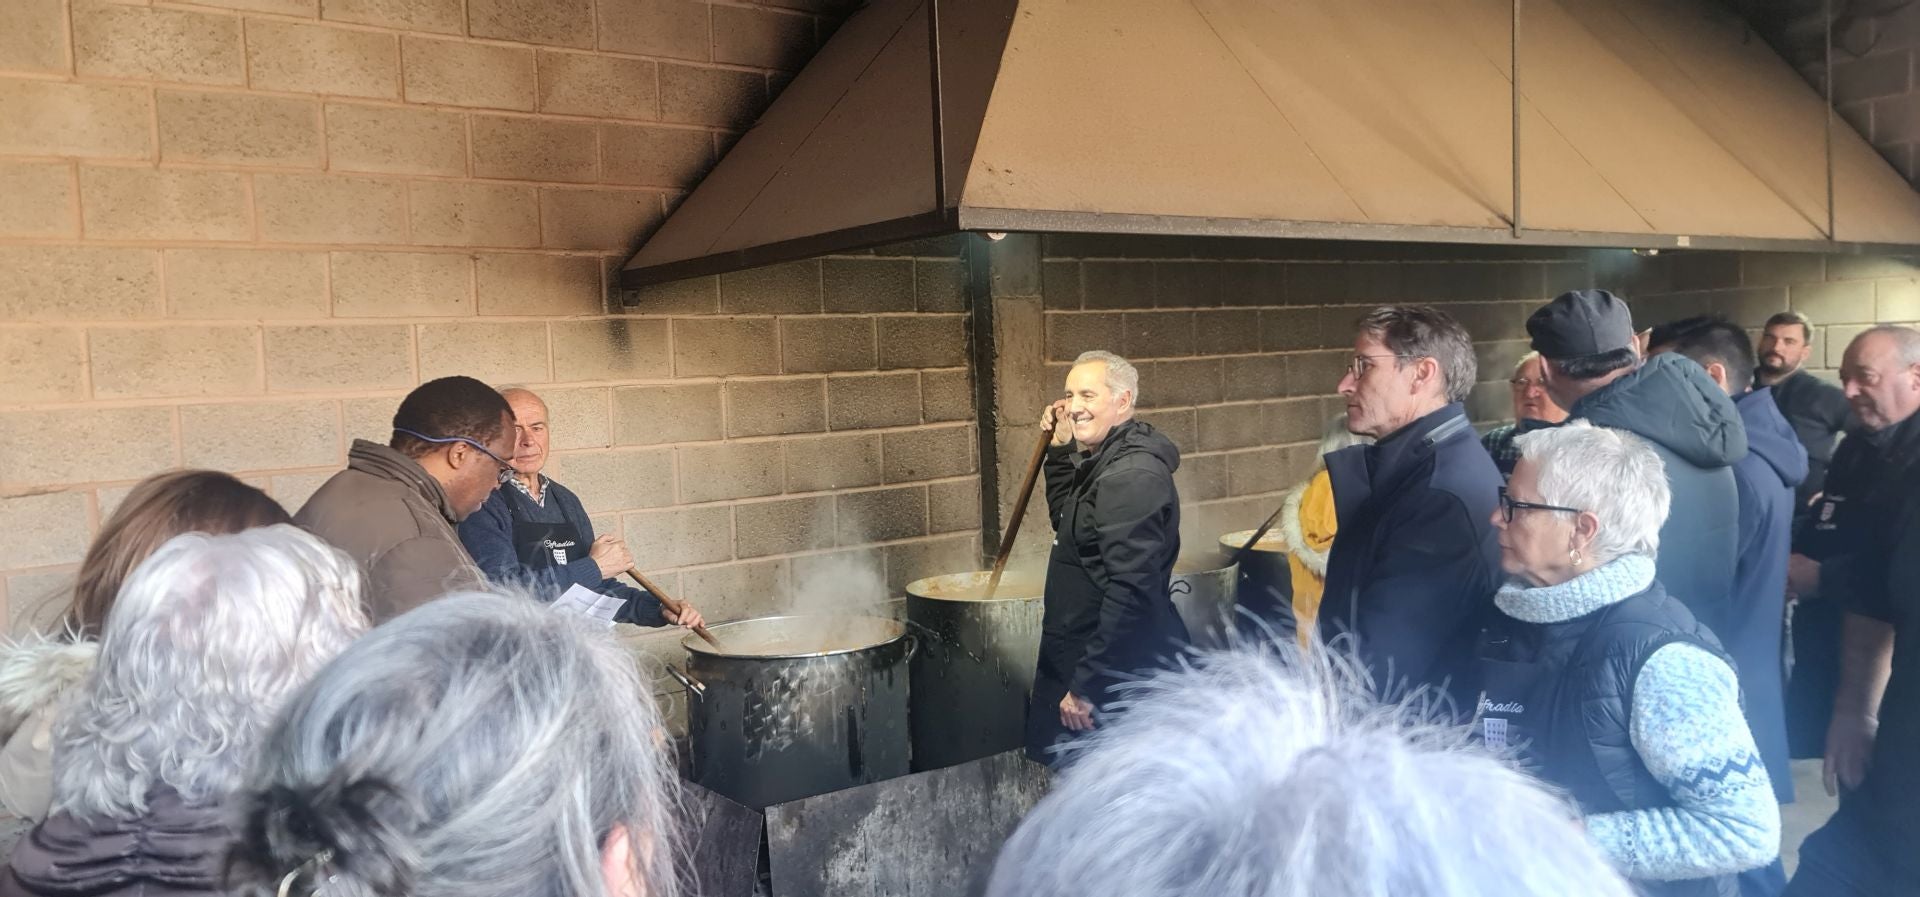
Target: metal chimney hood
x=1632, y=123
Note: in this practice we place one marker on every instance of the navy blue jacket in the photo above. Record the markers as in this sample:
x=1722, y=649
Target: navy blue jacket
x=1672, y=403
x=488, y=536
x=1775, y=464
x=1415, y=560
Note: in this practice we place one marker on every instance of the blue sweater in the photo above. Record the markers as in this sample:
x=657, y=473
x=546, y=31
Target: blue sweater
x=488, y=536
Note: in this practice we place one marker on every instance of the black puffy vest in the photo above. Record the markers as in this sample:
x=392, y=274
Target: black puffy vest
x=1580, y=738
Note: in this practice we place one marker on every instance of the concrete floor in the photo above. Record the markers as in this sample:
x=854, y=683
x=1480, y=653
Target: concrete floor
x=1809, y=811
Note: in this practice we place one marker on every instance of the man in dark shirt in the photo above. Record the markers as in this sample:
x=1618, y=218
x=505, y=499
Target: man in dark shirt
x=1816, y=409
x=1874, y=734
x=534, y=533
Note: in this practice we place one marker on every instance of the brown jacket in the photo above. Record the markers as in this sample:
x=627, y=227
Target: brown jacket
x=394, y=520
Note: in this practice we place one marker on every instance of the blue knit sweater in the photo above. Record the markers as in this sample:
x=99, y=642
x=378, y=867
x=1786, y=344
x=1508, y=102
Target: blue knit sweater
x=1690, y=732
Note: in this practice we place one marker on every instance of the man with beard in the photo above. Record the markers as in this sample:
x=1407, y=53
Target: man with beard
x=1815, y=408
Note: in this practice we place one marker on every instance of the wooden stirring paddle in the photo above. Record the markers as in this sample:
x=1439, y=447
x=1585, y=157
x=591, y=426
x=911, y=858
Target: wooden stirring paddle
x=1019, y=511
x=673, y=605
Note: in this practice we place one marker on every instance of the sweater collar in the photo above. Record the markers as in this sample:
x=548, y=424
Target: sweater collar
x=1610, y=583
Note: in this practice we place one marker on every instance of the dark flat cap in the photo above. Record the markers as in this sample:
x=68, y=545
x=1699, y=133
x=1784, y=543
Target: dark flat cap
x=1581, y=323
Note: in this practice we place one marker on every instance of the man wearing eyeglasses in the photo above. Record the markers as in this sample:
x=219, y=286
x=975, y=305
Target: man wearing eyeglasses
x=1415, y=560
x=1533, y=410
x=395, y=507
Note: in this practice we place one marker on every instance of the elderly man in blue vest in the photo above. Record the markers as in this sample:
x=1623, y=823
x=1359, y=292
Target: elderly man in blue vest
x=533, y=532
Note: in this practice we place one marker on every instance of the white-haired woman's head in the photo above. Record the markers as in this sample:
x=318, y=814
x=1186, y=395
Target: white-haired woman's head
x=1267, y=774
x=481, y=745
x=207, y=638
x=1580, y=496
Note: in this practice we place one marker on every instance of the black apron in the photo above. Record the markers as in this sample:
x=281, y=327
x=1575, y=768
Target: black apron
x=541, y=546
x=1070, y=615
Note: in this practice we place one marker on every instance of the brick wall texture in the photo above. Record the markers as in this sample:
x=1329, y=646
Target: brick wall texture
x=1876, y=66
x=1241, y=344
x=236, y=232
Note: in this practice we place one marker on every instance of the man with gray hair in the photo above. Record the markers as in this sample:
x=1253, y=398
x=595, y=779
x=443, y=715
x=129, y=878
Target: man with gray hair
x=534, y=533
x=210, y=635
x=1414, y=560
x=1269, y=774
x=1116, y=519
x=1861, y=561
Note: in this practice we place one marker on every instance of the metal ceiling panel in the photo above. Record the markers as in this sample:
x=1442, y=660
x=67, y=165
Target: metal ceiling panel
x=1642, y=123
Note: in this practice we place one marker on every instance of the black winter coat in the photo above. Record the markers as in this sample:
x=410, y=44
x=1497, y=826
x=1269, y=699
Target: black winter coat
x=175, y=850
x=1416, y=560
x=1672, y=403
x=1108, y=613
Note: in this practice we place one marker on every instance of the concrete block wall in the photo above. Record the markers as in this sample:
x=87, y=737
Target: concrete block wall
x=235, y=232
x=1241, y=344
x=1876, y=66
x=1842, y=294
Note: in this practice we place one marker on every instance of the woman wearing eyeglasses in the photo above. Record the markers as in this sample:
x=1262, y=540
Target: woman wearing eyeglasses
x=1602, y=684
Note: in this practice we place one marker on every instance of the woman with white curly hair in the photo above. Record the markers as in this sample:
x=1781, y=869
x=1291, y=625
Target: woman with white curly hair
x=1275, y=773
x=1604, y=685
x=207, y=638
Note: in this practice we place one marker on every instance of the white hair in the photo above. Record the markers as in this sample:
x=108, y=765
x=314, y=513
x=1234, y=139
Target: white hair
x=1612, y=473
x=208, y=636
x=1122, y=376
x=1530, y=356
x=481, y=745
x=1266, y=773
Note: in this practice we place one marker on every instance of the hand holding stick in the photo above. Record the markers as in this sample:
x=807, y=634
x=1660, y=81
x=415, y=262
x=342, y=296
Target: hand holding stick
x=1049, y=424
x=676, y=607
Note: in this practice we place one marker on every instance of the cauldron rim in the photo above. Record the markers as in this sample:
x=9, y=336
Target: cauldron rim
x=694, y=644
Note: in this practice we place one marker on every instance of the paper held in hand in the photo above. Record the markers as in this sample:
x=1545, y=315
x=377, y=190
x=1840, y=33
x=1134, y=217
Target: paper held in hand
x=578, y=599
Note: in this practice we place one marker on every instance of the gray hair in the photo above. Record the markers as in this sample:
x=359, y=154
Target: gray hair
x=481, y=745
x=1273, y=774
x=1530, y=356
x=209, y=635
x=1422, y=331
x=1905, y=338
x=1122, y=376
x=1336, y=437
x=1612, y=473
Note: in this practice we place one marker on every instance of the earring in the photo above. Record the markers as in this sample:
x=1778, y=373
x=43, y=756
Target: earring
x=1574, y=556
